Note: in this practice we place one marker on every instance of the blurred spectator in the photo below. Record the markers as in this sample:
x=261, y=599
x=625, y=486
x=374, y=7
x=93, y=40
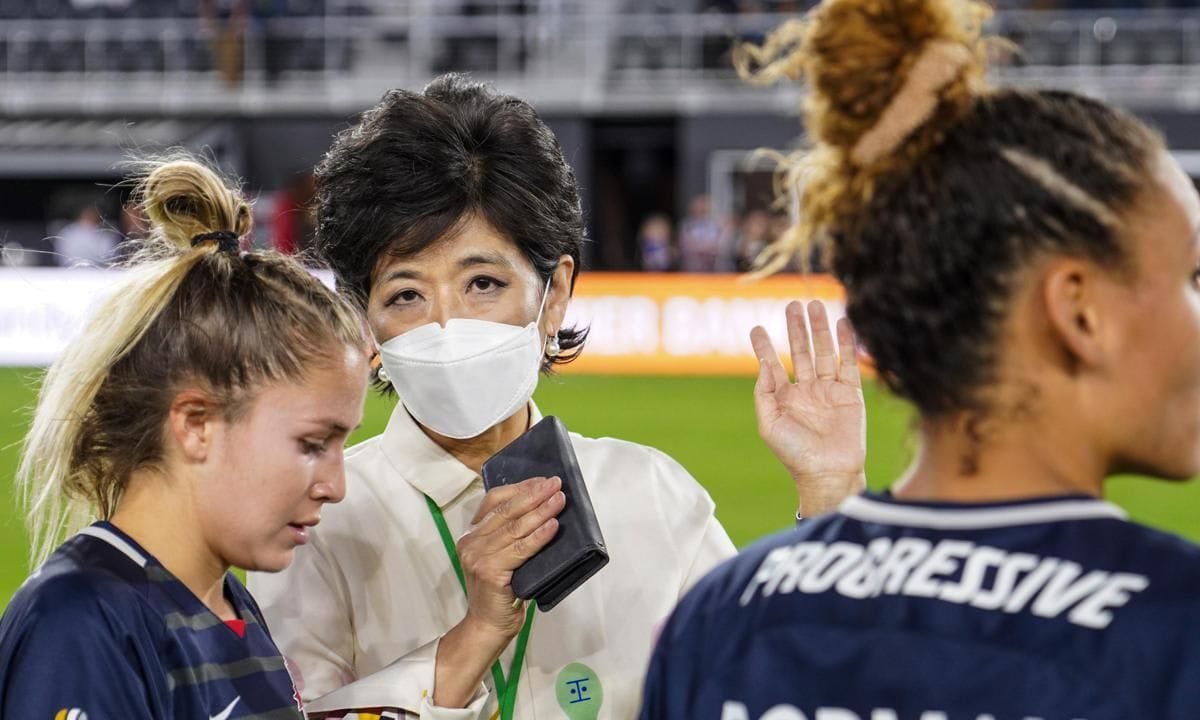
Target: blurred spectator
x=752, y=236
x=778, y=224
x=85, y=241
x=656, y=243
x=224, y=21
x=275, y=43
x=292, y=220
x=134, y=223
x=700, y=239
x=133, y=228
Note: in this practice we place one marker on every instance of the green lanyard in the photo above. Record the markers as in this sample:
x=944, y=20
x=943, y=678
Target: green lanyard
x=506, y=690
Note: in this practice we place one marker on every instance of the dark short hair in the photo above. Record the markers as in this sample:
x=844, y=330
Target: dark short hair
x=418, y=163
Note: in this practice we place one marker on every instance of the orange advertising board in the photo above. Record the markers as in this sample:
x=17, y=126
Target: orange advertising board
x=678, y=324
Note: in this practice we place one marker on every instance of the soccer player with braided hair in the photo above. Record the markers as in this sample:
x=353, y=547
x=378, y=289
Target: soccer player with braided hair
x=1024, y=267
x=196, y=423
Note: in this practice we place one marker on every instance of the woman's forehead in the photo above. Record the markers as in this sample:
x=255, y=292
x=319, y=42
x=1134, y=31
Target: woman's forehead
x=472, y=243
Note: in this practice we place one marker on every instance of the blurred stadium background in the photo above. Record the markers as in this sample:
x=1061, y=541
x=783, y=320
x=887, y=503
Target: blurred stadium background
x=642, y=96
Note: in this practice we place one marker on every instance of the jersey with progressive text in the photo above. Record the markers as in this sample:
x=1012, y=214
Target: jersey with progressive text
x=1057, y=609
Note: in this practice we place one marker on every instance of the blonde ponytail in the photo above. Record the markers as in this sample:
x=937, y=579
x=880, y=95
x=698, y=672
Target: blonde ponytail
x=59, y=484
x=190, y=310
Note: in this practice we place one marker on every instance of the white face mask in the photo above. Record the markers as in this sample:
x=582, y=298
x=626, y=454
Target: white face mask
x=461, y=379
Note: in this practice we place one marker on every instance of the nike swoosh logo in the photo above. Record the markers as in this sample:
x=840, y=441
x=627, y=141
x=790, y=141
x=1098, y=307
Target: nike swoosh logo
x=224, y=714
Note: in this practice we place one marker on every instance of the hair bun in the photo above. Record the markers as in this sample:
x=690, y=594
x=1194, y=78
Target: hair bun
x=857, y=56
x=185, y=200
x=887, y=79
x=939, y=64
x=227, y=242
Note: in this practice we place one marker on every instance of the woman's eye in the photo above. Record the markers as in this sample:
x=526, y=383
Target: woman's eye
x=312, y=448
x=486, y=284
x=1196, y=277
x=405, y=297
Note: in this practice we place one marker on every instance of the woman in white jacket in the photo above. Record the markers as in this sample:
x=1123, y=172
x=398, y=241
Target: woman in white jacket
x=453, y=218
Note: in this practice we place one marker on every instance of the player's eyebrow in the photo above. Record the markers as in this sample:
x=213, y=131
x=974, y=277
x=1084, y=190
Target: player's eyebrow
x=333, y=425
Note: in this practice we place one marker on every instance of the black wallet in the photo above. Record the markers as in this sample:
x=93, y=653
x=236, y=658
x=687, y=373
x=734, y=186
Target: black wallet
x=577, y=552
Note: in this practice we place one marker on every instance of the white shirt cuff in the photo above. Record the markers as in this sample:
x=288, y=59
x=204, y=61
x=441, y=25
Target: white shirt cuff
x=473, y=711
x=406, y=684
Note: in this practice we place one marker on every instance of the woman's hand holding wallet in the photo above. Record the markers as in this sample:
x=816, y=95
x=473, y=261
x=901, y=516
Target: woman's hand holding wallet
x=512, y=524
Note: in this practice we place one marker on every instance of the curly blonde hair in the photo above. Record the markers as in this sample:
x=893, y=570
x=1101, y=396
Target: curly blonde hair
x=856, y=56
x=929, y=191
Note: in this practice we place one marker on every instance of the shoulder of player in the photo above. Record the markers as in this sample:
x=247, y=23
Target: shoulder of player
x=710, y=604
x=723, y=587
x=1170, y=561
x=63, y=594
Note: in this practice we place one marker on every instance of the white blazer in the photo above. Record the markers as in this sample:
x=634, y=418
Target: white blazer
x=361, y=610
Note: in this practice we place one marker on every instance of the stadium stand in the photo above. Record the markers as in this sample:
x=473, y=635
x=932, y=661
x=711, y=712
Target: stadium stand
x=641, y=92
x=570, y=53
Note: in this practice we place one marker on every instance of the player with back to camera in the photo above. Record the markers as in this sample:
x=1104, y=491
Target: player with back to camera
x=1024, y=266
x=453, y=218
x=200, y=416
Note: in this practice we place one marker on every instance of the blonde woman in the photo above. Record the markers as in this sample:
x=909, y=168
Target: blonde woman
x=199, y=420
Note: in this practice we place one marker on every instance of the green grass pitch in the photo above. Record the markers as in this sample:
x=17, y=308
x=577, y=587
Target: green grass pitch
x=705, y=423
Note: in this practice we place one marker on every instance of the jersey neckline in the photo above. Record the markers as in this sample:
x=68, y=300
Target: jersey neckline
x=182, y=596
x=888, y=510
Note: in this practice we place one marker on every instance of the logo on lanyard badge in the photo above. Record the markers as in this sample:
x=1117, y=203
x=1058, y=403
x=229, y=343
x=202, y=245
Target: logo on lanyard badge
x=579, y=692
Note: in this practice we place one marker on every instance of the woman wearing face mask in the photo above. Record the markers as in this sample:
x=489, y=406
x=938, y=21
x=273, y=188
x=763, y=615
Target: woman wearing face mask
x=452, y=216
x=199, y=419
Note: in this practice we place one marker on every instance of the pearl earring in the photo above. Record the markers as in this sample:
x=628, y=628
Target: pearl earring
x=552, y=346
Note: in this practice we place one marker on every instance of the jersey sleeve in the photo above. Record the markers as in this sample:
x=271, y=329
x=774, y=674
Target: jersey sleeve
x=70, y=650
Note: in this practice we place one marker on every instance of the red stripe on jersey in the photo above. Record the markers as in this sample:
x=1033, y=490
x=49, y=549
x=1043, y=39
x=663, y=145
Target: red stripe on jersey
x=238, y=626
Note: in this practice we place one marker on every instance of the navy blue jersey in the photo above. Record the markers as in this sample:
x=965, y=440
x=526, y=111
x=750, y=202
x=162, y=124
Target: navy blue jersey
x=103, y=631
x=1056, y=609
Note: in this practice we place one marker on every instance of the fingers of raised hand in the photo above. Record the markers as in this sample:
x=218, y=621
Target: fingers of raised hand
x=848, y=349
x=825, y=357
x=802, y=359
x=771, y=374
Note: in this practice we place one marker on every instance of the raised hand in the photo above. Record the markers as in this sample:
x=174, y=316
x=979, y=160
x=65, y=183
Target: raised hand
x=817, y=425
